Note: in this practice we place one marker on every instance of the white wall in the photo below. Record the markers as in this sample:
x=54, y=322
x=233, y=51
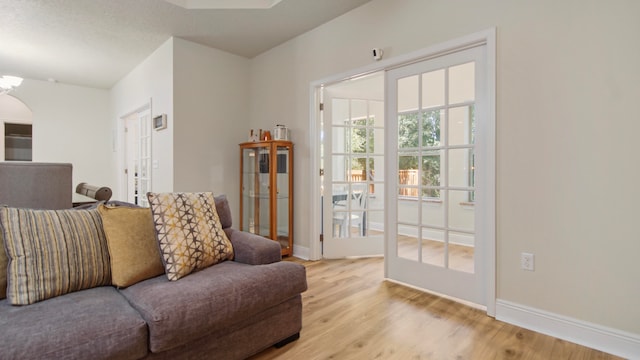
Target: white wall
x=71, y=125
x=204, y=93
x=211, y=111
x=567, y=84
x=151, y=80
x=14, y=110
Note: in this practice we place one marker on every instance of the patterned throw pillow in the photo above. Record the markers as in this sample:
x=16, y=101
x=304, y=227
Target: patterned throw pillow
x=53, y=252
x=133, y=248
x=189, y=232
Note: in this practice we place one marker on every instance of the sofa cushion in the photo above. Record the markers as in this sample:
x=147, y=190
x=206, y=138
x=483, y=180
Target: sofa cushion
x=189, y=232
x=211, y=299
x=133, y=249
x=53, y=252
x=223, y=210
x=90, y=324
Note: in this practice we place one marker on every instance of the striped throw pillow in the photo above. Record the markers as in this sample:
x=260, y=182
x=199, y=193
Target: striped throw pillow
x=53, y=252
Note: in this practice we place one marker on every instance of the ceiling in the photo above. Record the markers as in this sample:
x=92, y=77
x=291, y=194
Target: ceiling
x=97, y=42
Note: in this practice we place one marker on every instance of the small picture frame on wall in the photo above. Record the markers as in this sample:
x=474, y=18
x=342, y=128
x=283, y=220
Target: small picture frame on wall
x=160, y=122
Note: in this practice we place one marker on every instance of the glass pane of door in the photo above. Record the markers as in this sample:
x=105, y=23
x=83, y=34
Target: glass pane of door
x=283, y=189
x=142, y=177
x=354, y=166
x=435, y=171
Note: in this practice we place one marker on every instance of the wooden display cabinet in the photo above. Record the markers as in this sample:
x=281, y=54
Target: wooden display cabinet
x=266, y=192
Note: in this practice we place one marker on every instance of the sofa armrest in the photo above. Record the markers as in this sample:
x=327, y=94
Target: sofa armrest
x=253, y=249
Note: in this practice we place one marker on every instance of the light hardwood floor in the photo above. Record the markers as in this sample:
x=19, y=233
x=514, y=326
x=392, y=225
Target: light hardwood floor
x=350, y=312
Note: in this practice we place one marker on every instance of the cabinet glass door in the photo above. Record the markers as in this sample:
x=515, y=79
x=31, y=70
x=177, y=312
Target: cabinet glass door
x=282, y=195
x=255, y=190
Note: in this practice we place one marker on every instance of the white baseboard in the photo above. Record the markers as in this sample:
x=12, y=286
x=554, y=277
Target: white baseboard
x=301, y=252
x=609, y=340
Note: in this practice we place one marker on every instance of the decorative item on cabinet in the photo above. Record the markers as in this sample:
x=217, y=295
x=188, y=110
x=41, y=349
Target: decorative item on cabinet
x=266, y=135
x=266, y=193
x=281, y=132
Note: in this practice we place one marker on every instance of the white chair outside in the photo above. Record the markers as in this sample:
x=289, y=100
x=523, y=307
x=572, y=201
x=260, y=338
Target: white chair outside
x=349, y=210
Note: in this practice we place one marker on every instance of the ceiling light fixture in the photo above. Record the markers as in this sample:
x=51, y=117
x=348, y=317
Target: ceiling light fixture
x=224, y=4
x=8, y=83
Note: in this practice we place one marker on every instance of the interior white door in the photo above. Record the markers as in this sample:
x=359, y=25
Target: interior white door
x=130, y=155
x=434, y=152
x=143, y=175
x=353, y=187
x=137, y=152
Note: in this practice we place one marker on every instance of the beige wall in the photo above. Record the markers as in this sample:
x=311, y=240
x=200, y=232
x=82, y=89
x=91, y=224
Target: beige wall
x=211, y=111
x=567, y=83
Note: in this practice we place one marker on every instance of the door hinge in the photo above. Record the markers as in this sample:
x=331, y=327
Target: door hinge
x=126, y=171
x=321, y=106
x=321, y=172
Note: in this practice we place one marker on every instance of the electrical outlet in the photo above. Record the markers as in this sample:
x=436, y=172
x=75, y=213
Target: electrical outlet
x=527, y=261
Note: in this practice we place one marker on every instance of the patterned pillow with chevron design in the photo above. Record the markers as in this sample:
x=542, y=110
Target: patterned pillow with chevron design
x=189, y=232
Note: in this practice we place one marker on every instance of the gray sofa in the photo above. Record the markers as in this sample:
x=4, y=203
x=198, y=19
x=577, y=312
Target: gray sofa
x=231, y=310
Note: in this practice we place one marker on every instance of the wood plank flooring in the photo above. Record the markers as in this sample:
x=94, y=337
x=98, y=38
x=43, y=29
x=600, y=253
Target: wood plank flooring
x=350, y=312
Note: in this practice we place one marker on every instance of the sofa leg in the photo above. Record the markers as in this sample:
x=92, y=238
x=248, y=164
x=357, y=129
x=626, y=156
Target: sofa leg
x=290, y=339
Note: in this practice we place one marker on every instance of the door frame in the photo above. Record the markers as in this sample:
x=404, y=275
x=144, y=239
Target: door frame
x=487, y=38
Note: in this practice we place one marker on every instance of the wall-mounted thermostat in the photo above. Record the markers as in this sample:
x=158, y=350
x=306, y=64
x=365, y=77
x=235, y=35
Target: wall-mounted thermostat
x=160, y=122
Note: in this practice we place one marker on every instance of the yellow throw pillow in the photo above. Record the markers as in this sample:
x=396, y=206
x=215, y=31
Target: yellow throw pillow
x=132, y=244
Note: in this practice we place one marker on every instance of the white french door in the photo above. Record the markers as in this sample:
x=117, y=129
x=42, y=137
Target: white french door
x=435, y=135
x=353, y=157
x=137, y=156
